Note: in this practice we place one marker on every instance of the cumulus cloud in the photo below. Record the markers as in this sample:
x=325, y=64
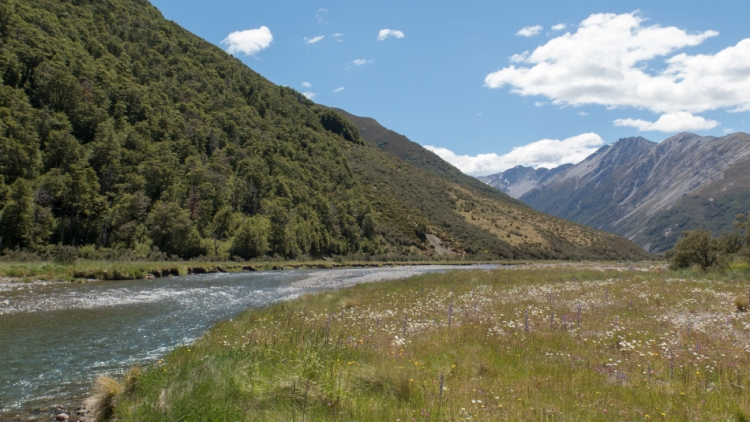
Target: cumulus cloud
x=529, y=31
x=385, y=33
x=619, y=61
x=306, y=84
x=339, y=89
x=670, y=122
x=545, y=153
x=361, y=62
x=313, y=40
x=248, y=42
x=559, y=27
x=309, y=95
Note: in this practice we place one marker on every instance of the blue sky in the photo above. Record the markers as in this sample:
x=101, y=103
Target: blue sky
x=492, y=84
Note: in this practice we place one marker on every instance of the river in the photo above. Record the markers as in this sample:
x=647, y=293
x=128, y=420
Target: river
x=55, y=337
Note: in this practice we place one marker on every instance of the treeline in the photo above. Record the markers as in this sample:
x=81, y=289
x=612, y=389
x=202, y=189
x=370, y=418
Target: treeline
x=698, y=248
x=121, y=130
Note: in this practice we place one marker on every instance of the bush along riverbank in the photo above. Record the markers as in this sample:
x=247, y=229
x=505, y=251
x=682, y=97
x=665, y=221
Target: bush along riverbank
x=482, y=345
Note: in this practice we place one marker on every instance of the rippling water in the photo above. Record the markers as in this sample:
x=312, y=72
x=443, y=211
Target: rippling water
x=55, y=337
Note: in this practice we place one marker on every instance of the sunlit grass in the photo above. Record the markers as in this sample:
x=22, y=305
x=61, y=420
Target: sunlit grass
x=650, y=345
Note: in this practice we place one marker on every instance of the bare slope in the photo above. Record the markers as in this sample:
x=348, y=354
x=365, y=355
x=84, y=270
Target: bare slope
x=411, y=152
x=469, y=219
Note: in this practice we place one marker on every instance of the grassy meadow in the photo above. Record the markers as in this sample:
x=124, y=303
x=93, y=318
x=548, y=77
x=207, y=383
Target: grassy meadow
x=536, y=343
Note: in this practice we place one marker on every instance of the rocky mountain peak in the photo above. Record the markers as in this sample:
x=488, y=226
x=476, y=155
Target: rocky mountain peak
x=650, y=192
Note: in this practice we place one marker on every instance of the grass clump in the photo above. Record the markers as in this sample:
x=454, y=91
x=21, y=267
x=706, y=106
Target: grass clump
x=741, y=303
x=101, y=403
x=563, y=344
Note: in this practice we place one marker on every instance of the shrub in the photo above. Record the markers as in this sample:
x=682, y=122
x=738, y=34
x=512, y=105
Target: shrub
x=696, y=247
x=66, y=255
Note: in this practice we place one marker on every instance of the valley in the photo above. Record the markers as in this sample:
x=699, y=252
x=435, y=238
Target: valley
x=184, y=235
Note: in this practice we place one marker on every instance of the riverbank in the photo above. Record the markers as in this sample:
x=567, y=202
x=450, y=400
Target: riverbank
x=566, y=343
x=56, y=337
x=85, y=270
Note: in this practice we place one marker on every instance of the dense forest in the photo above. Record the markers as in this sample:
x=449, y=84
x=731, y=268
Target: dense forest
x=124, y=136
x=120, y=129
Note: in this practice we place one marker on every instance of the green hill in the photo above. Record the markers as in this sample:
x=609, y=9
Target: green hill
x=122, y=132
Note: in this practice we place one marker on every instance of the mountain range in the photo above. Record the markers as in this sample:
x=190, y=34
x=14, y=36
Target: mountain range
x=122, y=132
x=648, y=192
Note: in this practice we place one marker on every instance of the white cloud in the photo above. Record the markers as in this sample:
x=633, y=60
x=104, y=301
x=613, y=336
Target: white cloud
x=530, y=31
x=339, y=89
x=337, y=35
x=519, y=58
x=582, y=113
x=361, y=62
x=249, y=41
x=559, y=27
x=679, y=121
x=320, y=15
x=313, y=40
x=545, y=153
x=309, y=95
x=306, y=84
x=618, y=61
x=385, y=33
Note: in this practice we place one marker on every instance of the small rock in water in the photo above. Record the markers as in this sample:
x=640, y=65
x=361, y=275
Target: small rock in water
x=6, y=302
x=62, y=417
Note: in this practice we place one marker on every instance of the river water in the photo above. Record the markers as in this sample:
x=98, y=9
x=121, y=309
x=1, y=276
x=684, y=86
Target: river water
x=56, y=337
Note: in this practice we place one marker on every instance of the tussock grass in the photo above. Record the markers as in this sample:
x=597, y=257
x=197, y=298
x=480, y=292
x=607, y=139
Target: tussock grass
x=101, y=403
x=650, y=345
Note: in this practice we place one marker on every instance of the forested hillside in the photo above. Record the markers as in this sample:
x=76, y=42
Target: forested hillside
x=124, y=134
x=121, y=129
